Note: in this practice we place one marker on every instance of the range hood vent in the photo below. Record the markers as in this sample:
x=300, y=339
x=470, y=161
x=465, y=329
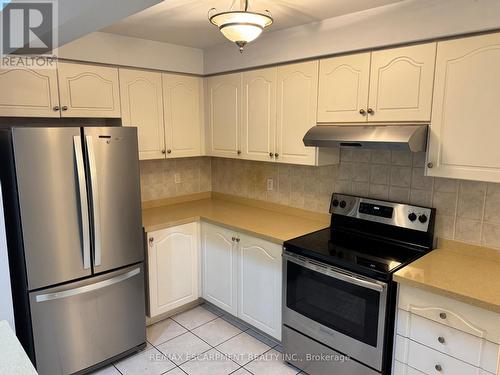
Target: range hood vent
x=412, y=137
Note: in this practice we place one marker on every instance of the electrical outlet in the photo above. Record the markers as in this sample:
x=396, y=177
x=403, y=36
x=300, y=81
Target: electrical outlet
x=177, y=178
x=270, y=184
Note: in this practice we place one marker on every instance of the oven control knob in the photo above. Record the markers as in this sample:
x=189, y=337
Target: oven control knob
x=335, y=203
x=343, y=204
x=412, y=216
x=422, y=218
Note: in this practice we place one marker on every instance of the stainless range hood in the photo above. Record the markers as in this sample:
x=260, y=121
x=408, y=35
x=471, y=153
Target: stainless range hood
x=412, y=137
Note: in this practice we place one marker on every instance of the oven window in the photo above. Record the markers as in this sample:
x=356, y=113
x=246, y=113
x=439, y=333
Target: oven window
x=344, y=307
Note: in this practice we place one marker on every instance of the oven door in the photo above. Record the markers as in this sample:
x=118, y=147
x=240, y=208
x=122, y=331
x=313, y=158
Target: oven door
x=340, y=309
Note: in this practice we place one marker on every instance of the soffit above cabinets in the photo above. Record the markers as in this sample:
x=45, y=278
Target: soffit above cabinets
x=184, y=22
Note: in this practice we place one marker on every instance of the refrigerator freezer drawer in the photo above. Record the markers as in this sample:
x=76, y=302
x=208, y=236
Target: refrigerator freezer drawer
x=78, y=325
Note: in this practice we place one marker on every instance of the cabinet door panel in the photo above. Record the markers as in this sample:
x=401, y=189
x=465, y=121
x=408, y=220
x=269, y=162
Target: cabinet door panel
x=89, y=90
x=401, y=82
x=259, y=287
x=465, y=126
x=173, y=268
x=183, y=127
x=224, y=101
x=29, y=92
x=259, y=114
x=297, y=107
x=141, y=97
x=219, y=268
x=343, y=88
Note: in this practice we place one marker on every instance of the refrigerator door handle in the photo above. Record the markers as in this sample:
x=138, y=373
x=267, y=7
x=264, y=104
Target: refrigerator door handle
x=88, y=288
x=95, y=200
x=84, y=208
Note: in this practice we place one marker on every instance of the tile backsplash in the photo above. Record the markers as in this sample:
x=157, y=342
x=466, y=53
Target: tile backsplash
x=468, y=211
x=158, y=177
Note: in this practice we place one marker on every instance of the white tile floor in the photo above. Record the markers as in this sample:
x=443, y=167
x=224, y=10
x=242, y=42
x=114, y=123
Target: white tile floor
x=203, y=341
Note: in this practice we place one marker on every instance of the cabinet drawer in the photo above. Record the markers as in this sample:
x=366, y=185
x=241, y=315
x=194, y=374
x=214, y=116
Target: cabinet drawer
x=403, y=369
x=452, y=313
x=426, y=360
x=455, y=343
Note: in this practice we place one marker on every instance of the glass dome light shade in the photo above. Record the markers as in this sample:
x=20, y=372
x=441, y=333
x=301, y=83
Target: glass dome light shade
x=241, y=27
x=241, y=32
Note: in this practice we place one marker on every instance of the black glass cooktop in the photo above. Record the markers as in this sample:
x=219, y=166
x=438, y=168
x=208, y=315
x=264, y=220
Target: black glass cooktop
x=359, y=253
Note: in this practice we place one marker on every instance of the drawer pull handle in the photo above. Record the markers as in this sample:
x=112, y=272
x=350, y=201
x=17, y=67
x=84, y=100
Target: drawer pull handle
x=441, y=339
x=442, y=315
x=438, y=367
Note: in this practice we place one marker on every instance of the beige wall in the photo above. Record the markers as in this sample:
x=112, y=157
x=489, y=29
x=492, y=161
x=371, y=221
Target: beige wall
x=398, y=23
x=158, y=177
x=108, y=48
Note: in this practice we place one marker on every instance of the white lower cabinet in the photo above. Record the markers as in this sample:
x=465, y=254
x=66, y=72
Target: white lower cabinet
x=438, y=335
x=219, y=267
x=238, y=273
x=403, y=369
x=242, y=275
x=173, y=267
x=259, y=284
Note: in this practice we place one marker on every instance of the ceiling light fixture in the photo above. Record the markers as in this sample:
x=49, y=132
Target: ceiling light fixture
x=240, y=26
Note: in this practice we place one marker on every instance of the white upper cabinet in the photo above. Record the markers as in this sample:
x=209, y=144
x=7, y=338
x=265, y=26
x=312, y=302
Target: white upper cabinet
x=219, y=267
x=401, y=82
x=343, y=88
x=259, y=294
x=173, y=264
x=88, y=90
x=259, y=114
x=297, y=106
x=183, y=125
x=142, y=106
x=388, y=85
x=29, y=92
x=224, y=117
x=465, y=126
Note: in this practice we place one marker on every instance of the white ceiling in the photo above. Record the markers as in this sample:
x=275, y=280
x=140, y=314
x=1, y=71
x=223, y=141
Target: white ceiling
x=185, y=22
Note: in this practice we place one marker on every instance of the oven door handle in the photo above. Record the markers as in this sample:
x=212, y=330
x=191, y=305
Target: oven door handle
x=336, y=273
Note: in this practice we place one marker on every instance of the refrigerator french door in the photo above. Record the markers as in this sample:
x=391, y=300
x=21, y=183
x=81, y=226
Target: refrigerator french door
x=80, y=242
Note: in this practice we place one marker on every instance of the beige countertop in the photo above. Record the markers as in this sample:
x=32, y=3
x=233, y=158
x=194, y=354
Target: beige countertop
x=269, y=221
x=467, y=273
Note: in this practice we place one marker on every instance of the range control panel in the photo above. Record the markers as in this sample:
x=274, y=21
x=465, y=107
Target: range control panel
x=392, y=213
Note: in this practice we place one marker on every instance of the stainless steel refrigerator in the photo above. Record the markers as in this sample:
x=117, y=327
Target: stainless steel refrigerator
x=74, y=232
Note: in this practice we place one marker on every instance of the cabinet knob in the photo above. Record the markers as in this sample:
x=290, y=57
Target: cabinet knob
x=239, y=152
x=362, y=112
x=233, y=239
x=438, y=367
x=442, y=315
x=151, y=240
x=64, y=107
x=169, y=151
x=162, y=151
x=371, y=111
x=430, y=165
x=237, y=239
x=441, y=339
x=276, y=155
x=271, y=154
x=55, y=108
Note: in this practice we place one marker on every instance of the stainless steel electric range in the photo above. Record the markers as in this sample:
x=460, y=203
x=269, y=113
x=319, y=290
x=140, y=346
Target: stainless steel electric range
x=339, y=297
